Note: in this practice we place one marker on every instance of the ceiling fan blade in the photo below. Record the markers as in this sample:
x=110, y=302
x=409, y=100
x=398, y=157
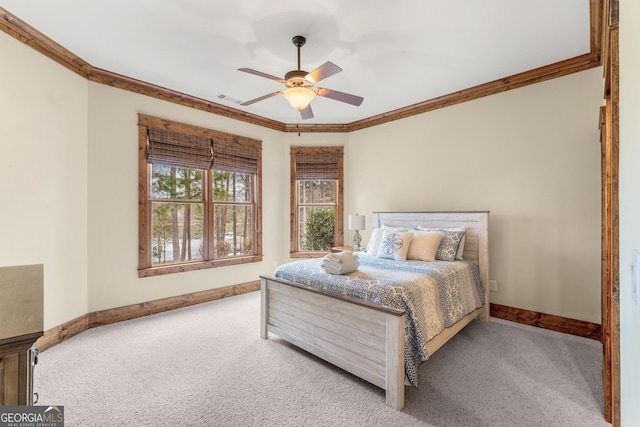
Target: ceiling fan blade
x=253, y=101
x=327, y=69
x=261, y=74
x=339, y=96
x=306, y=113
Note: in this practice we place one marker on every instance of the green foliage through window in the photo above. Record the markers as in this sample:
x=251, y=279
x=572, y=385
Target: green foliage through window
x=199, y=201
x=178, y=211
x=319, y=230
x=177, y=214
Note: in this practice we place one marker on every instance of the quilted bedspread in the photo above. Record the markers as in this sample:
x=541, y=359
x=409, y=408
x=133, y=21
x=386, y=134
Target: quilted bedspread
x=434, y=295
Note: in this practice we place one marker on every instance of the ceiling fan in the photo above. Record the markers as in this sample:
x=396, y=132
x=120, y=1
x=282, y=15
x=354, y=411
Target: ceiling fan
x=300, y=85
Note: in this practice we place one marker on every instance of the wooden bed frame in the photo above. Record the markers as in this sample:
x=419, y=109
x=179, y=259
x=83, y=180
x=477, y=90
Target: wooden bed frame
x=360, y=337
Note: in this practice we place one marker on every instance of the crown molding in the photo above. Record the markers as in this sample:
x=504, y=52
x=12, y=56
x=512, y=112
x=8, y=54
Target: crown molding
x=38, y=41
x=138, y=86
x=33, y=38
x=558, y=69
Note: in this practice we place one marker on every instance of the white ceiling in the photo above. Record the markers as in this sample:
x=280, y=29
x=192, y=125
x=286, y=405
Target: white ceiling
x=393, y=53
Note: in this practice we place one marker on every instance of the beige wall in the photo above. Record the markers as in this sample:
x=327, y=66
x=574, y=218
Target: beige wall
x=629, y=207
x=531, y=156
x=113, y=200
x=43, y=175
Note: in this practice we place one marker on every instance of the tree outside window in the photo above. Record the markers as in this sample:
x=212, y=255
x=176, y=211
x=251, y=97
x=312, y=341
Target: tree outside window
x=199, y=198
x=316, y=215
x=177, y=214
x=316, y=200
x=233, y=213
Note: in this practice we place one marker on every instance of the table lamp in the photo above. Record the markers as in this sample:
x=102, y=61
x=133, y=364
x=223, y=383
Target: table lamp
x=356, y=222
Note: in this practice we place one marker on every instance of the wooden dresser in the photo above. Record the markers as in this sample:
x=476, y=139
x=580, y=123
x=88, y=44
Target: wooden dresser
x=21, y=324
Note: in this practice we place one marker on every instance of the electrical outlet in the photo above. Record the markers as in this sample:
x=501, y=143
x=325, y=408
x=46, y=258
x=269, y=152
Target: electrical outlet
x=493, y=285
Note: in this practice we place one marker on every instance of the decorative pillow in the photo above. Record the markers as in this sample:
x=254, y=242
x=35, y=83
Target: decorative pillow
x=395, y=244
x=449, y=249
x=374, y=242
x=376, y=238
x=391, y=227
x=461, y=247
x=424, y=245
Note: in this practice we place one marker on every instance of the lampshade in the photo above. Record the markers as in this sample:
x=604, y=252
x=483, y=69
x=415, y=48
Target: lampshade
x=299, y=97
x=356, y=222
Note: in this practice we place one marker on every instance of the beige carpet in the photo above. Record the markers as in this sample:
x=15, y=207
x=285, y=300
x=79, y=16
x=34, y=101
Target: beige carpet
x=206, y=365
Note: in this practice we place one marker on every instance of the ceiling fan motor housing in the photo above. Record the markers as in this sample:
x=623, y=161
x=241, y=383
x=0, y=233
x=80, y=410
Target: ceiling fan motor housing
x=298, y=41
x=296, y=78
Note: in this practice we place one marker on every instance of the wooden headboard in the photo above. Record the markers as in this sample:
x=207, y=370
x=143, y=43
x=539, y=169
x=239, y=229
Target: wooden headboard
x=476, y=225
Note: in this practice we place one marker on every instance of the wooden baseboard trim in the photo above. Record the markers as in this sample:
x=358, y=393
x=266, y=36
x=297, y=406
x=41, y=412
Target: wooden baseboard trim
x=80, y=324
x=62, y=332
x=548, y=321
x=114, y=315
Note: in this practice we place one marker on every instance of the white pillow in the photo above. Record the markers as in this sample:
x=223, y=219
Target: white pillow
x=391, y=227
x=395, y=244
x=424, y=245
x=452, y=245
x=376, y=238
x=374, y=242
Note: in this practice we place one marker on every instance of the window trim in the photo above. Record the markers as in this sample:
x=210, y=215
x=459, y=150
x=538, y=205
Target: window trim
x=339, y=214
x=145, y=267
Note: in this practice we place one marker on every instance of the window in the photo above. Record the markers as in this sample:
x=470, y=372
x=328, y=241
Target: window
x=316, y=200
x=200, y=196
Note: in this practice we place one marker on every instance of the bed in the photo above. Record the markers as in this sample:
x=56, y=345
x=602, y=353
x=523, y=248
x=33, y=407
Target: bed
x=363, y=335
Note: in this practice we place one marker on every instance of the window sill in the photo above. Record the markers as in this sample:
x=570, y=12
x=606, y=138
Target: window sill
x=314, y=254
x=193, y=266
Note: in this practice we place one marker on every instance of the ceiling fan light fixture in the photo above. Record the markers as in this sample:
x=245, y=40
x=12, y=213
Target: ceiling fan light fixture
x=300, y=85
x=299, y=97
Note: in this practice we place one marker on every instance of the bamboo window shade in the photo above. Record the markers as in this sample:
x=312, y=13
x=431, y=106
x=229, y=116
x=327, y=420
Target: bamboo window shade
x=179, y=149
x=317, y=166
x=235, y=157
x=193, y=151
